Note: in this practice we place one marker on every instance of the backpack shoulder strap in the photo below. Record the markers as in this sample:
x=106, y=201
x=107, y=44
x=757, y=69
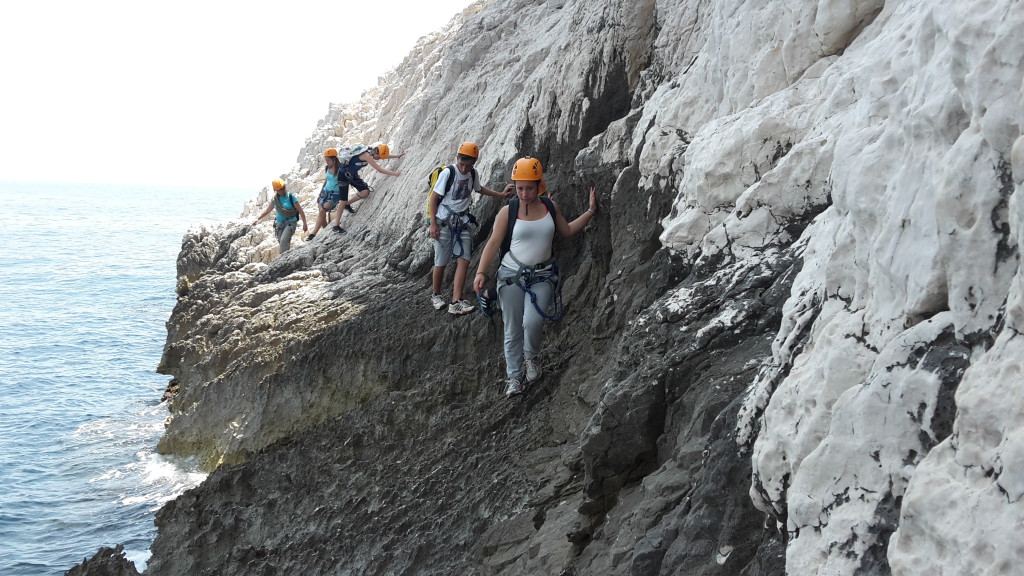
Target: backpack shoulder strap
x=548, y=204
x=513, y=213
x=451, y=178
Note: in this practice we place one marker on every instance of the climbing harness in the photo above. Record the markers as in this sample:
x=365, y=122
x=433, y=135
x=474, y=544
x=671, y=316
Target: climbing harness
x=527, y=277
x=280, y=227
x=455, y=222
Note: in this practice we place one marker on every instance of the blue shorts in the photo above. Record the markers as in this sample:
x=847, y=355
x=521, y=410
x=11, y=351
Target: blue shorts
x=335, y=196
x=330, y=197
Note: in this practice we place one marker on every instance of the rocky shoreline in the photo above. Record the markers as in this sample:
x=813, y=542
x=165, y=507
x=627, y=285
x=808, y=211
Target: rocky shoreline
x=790, y=331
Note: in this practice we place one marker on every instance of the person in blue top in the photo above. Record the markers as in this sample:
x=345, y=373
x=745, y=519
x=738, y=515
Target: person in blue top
x=288, y=213
x=343, y=171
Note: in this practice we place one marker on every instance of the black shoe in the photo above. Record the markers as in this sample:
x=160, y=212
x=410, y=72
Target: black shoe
x=349, y=208
x=310, y=237
x=338, y=229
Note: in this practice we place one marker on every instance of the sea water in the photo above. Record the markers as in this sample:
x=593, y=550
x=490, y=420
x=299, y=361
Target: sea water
x=87, y=276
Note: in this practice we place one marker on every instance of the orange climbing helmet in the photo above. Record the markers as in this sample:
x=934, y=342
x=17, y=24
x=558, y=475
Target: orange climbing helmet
x=330, y=152
x=278, y=185
x=383, y=151
x=469, y=149
x=529, y=169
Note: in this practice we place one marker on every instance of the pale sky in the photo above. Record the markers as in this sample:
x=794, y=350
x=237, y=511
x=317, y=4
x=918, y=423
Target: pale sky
x=207, y=93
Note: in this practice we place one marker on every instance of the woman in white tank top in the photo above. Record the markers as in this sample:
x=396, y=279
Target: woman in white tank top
x=530, y=252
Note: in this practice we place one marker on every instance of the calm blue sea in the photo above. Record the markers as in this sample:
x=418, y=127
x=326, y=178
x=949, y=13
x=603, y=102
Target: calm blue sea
x=87, y=277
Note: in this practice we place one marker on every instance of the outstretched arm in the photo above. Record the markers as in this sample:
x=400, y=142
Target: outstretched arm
x=265, y=212
x=369, y=160
x=567, y=229
x=302, y=214
x=508, y=191
x=491, y=249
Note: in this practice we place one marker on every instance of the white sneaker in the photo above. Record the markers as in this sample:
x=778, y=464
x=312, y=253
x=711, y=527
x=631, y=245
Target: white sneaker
x=514, y=387
x=533, y=370
x=437, y=301
x=461, y=307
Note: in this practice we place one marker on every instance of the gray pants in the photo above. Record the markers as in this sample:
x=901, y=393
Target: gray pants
x=284, y=231
x=524, y=325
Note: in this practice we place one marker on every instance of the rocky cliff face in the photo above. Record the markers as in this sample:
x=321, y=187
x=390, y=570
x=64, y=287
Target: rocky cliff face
x=792, y=342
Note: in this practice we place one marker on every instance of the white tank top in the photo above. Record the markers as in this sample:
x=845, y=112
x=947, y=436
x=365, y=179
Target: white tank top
x=531, y=242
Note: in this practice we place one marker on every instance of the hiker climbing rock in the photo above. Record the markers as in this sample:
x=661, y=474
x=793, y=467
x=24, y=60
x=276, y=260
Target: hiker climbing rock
x=343, y=171
x=288, y=213
x=450, y=200
x=527, y=277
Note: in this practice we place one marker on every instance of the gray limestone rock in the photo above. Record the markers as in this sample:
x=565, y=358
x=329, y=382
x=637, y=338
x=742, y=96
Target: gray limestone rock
x=791, y=331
